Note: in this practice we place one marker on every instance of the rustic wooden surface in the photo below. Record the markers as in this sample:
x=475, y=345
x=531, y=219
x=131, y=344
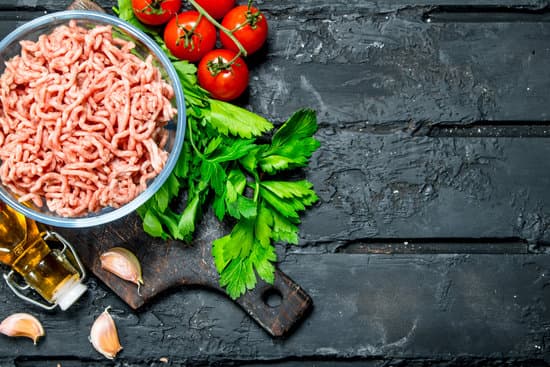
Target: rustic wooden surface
x=429, y=244
x=277, y=307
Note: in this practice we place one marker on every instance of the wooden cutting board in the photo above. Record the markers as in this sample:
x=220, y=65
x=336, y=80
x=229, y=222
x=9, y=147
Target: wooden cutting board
x=169, y=264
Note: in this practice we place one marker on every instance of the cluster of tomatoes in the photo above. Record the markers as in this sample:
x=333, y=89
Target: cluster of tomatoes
x=192, y=34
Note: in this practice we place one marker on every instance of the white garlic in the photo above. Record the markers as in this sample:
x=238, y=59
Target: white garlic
x=104, y=335
x=22, y=324
x=122, y=263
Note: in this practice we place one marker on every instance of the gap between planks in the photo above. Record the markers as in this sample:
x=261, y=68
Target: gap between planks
x=486, y=14
x=423, y=246
x=437, y=246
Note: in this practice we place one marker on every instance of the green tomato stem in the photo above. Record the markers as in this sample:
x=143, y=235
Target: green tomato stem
x=228, y=33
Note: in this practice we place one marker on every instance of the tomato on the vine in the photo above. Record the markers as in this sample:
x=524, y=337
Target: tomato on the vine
x=189, y=36
x=155, y=12
x=249, y=27
x=223, y=74
x=216, y=8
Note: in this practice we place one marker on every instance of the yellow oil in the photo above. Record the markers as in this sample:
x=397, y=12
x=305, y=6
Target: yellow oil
x=23, y=249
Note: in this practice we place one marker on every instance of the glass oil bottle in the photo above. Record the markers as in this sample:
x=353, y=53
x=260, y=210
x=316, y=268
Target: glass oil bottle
x=54, y=274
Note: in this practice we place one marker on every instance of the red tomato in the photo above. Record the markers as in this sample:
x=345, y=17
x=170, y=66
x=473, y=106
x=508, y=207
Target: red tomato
x=188, y=39
x=216, y=8
x=249, y=27
x=223, y=80
x=155, y=12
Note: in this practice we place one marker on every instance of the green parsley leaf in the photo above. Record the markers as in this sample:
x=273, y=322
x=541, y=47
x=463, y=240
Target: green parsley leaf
x=218, y=204
x=231, y=192
x=218, y=250
x=186, y=224
x=214, y=174
x=287, y=207
x=194, y=95
x=152, y=225
x=169, y=221
x=231, y=257
x=242, y=240
x=162, y=198
x=184, y=163
x=283, y=229
x=222, y=164
x=186, y=71
x=237, y=178
x=234, y=202
x=302, y=124
x=264, y=223
x=237, y=270
x=232, y=150
x=292, y=189
x=293, y=144
x=262, y=258
x=250, y=161
x=213, y=145
x=242, y=207
x=173, y=185
x=237, y=277
x=230, y=119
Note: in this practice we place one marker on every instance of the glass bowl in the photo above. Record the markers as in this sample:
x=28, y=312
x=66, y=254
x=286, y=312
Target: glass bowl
x=145, y=46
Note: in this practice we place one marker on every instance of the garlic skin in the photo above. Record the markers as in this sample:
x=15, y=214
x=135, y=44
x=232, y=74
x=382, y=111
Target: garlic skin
x=122, y=263
x=22, y=324
x=104, y=335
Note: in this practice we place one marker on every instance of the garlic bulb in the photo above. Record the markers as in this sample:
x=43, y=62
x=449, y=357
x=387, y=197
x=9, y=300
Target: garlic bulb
x=122, y=263
x=22, y=324
x=104, y=335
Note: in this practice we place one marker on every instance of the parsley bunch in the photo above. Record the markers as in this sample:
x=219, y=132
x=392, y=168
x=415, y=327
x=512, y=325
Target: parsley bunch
x=233, y=160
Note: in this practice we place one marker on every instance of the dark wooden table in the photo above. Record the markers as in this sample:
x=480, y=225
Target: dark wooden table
x=429, y=244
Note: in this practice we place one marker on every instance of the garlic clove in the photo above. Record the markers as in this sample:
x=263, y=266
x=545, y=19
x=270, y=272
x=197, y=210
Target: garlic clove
x=22, y=324
x=122, y=263
x=104, y=335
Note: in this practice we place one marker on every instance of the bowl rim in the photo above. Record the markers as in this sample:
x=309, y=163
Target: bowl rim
x=154, y=186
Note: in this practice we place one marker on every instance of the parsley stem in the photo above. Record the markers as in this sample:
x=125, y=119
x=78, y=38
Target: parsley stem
x=229, y=34
x=190, y=133
x=256, y=185
x=257, y=191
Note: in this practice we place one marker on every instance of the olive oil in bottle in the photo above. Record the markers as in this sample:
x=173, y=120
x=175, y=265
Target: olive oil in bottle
x=46, y=270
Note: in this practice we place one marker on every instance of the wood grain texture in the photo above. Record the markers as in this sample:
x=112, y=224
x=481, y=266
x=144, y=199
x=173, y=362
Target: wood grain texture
x=398, y=186
x=169, y=264
x=466, y=208
x=412, y=307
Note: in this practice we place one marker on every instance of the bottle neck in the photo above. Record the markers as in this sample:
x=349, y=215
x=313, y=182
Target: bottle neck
x=69, y=293
x=44, y=269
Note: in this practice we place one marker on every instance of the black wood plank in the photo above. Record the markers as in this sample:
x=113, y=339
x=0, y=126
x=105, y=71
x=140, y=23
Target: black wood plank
x=374, y=69
x=382, y=6
x=398, y=186
x=402, y=362
x=290, y=6
x=390, y=67
x=367, y=306
x=394, y=68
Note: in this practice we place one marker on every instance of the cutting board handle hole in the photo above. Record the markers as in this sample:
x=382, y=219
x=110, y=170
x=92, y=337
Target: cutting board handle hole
x=272, y=297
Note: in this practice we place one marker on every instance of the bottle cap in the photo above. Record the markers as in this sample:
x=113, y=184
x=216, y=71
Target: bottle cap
x=69, y=293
